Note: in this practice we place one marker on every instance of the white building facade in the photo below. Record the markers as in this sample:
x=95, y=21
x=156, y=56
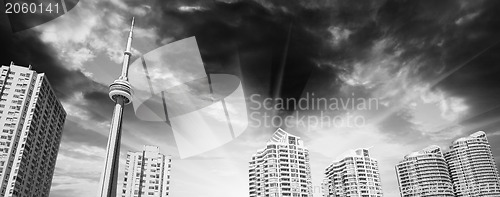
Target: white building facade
x=355, y=174
x=424, y=173
x=32, y=120
x=147, y=173
x=472, y=167
x=281, y=169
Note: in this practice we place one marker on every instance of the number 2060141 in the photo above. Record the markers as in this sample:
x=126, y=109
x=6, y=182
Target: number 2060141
x=32, y=8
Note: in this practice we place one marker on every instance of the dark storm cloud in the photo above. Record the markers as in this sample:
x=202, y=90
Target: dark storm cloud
x=25, y=48
x=279, y=44
x=256, y=39
x=448, y=36
x=439, y=32
x=441, y=35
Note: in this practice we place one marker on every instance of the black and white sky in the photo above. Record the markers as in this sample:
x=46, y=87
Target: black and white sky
x=433, y=65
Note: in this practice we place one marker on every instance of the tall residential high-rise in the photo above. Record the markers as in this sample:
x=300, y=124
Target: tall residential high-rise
x=424, y=173
x=32, y=120
x=472, y=167
x=281, y=168
x=354, y=174
x=147, y=173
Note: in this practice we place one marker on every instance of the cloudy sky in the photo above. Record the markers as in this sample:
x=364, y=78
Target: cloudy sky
x=432, y=65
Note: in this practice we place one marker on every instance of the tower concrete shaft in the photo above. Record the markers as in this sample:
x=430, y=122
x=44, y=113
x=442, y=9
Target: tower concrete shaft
x=120, y=92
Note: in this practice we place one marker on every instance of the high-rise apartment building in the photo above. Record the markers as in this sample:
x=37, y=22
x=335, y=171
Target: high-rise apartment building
x=424, y=173
x=472, y=167
x=355, y=174
x=32, y=120
x=147, y=173
x=281, y=168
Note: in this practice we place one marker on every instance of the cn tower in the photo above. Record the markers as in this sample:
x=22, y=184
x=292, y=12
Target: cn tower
x=120, y=92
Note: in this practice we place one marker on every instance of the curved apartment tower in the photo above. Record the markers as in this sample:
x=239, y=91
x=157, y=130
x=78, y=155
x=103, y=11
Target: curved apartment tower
x=356, y=174
x=281, y=168
x=472, y=167
x=424, y=173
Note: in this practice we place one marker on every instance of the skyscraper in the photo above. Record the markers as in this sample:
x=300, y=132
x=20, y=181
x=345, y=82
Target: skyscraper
x=472, y=167
x=424, y=173
x=281, y=168
x=32, y=120
x=355, y=174
x=147, y=173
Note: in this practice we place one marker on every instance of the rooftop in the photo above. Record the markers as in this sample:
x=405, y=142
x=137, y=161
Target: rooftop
x=478, y=134
x=427, y=150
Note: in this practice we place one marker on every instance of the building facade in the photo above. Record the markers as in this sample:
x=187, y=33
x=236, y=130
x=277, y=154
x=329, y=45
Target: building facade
x=356, y=174
x=472, y=167
x=147, y=173
x=281, y=169
x=32, y=120
x=424, y=173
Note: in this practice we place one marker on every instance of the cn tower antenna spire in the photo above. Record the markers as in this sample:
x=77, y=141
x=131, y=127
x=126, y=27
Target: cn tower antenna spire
x=120, y=92
x=127, y=52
